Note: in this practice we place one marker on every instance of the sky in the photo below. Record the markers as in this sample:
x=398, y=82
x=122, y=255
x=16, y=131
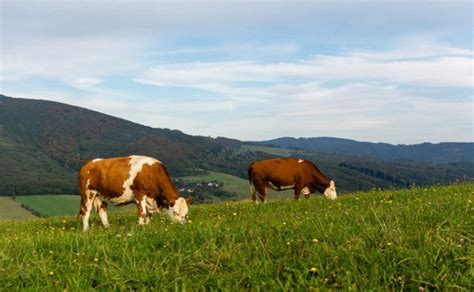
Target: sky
x=399, y=72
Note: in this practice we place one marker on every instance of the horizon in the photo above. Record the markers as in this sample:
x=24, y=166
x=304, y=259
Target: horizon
x=246, y=141
x=382, y=72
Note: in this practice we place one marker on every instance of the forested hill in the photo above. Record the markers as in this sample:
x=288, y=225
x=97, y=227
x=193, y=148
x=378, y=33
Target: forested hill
x=44, y=143
x=426, y=152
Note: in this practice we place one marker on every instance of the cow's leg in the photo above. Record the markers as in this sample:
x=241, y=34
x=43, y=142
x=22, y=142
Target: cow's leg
x=305, y=191
x=151, y=207
x=86, y=207
x=147, y=218
x=101, y=208
x=261, y=190
x=253, y=193
x=298, y=189
x=140, y=200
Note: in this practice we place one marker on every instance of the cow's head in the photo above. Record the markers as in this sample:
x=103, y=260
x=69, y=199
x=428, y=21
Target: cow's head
x=330, y=191
x=179, y=210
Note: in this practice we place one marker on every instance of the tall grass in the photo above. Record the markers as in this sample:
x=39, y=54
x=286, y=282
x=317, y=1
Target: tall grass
x=391, y=240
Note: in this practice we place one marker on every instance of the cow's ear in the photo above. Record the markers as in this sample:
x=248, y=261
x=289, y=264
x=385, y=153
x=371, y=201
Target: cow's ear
x=189, y=200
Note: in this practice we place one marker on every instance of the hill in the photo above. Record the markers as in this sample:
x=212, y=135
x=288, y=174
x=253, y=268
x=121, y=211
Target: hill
x=363, y=241
x=44, y=143
x=426, y=152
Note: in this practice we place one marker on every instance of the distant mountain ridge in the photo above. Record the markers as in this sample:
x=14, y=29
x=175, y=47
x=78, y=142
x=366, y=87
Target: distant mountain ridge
x=44, y=143
x=425, y=152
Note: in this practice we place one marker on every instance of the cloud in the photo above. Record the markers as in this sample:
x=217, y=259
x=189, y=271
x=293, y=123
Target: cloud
x=85, y=83
x=355, y=94
x=68, y=58
x=438, y=66
x=371, y=71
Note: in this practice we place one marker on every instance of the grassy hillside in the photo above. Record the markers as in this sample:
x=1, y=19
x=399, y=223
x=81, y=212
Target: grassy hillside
x=232, y=184
x=10, y=209
x=270, y=150
x=56, y=205
x=380, y=240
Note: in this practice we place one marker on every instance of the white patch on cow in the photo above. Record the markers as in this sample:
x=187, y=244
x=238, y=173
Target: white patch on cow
x=282, y=188
x=85, y=217
x=272, y=186
x=300, y=160
x=136, y=164
x=151, y=205
x=305, y=191
x=253, y=193
x=103, y=217
x=142, y=215
x=91, y=194
x=179, y=211
x=97, y=159
x=330, y=192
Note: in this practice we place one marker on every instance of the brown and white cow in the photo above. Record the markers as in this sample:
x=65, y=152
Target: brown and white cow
x=123, y=180
x=288, y=173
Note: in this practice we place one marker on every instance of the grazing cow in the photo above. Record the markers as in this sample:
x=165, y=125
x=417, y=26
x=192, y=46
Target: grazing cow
x=288, y=173
x=123, y=180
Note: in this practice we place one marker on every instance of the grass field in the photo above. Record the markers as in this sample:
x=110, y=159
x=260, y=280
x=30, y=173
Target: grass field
x=56, y=205
x=270, y=150
x=234, y=184
x=62, y=205
x=10, y=209
x=391, y=240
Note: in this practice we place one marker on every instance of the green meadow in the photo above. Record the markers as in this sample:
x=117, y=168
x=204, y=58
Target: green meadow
x=392, y=240
x=232, y=184
x=11, y=209
x=56, y=205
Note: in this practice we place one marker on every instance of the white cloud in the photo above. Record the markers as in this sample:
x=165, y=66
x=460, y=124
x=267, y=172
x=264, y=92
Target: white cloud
x=253, y=90
x=360, y=95
x=439, y=66
x=68, y=58
x=85, y=83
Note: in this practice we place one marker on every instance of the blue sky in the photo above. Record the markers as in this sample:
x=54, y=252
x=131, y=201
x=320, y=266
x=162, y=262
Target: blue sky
x=394, y=71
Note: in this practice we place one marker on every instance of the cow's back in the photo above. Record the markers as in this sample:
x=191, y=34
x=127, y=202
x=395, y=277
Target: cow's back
x=115, y=177
x=106, y=175
x=279, y=170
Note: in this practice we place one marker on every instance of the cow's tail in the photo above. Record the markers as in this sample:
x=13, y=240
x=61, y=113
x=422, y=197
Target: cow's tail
x=249, y=172
x=82, y=185
x=82, y=191
x=252, y=190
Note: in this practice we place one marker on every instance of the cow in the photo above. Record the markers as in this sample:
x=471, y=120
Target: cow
x=124, y=180
x=288, y=173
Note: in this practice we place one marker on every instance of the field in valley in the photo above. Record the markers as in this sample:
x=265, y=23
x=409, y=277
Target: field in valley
x=62, y=205
x=55, y=205
x=10, y=209
x=403, y=239
x=232, y=184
